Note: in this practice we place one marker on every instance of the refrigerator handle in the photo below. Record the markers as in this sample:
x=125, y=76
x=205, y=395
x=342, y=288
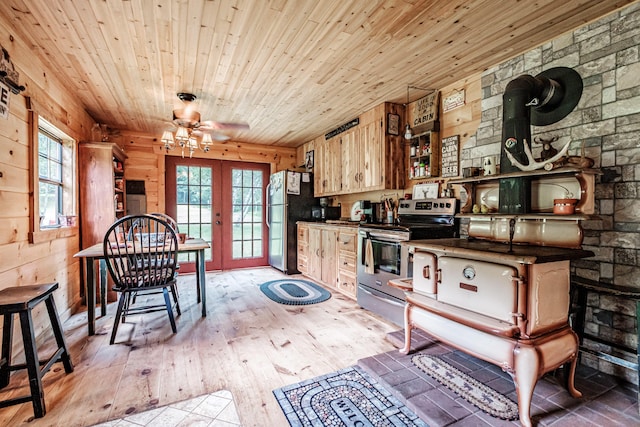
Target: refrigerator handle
x=268, y=218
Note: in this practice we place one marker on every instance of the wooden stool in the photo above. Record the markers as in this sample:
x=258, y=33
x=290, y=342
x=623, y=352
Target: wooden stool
x=21, y=300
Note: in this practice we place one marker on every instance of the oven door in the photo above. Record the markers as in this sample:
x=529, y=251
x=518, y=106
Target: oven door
x=380, y=259
x=487, y=288
x=379, y=254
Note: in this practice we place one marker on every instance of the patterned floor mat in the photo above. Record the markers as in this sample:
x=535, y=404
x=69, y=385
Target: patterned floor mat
x=349, y=397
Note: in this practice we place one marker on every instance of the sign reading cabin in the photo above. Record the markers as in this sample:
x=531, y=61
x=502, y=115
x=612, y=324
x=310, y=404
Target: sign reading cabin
x=422, y=114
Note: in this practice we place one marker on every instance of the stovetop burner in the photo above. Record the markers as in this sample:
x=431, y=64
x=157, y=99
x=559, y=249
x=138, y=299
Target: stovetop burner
x=423, y=218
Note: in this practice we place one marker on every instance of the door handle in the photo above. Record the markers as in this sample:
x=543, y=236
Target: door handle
x=426, y=272
x=268, y=218
x=218, y=223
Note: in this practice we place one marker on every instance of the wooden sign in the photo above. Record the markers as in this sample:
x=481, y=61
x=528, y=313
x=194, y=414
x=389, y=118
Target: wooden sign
x=342, y=128
x=454, y=100
x=423, y=113
x=450, y=156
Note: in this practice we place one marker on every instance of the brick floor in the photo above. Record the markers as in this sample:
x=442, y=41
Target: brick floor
x=606, y=401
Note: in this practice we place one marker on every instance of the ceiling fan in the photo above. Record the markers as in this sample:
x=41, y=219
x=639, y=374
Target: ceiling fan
x=189, y=127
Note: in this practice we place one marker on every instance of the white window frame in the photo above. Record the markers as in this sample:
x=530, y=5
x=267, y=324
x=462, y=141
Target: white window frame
x=38, y=233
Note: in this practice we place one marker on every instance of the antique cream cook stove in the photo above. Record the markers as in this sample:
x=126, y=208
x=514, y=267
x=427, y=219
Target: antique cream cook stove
x=502, y=295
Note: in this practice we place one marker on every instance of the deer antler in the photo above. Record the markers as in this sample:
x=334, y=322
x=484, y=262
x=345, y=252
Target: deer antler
x=533, y=165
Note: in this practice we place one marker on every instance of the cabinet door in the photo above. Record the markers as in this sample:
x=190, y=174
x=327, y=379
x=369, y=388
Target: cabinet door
x=328, y=170
x=371, y=154
x=329, y=257
x=99, y=192
x=333, y=162
x=351, y=161
x=303, y=248
x=315, y=255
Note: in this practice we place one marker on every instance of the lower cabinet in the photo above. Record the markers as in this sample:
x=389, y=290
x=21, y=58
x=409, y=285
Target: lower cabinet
x=347, y=267
x=327, y=254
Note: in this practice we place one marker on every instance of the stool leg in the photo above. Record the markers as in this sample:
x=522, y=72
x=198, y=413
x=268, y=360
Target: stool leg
x=33, y=364
x=59, y=334
x=7, y=339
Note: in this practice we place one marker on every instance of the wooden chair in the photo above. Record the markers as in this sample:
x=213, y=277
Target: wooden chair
x=144, y=261
x=172, y=222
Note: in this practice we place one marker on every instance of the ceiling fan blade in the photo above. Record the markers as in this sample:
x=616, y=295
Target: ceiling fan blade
x=216, y=136
x=225, y=125
x=220, y=137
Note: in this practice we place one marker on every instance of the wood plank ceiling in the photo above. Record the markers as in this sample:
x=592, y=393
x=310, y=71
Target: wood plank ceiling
x=292, y=69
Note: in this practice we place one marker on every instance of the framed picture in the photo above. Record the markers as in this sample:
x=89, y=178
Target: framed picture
x=426, y=191
x=308, y=161
x=393, y=124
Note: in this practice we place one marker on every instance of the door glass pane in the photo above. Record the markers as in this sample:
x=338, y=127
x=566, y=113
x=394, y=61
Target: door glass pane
x=246, y=199
x=193, y=200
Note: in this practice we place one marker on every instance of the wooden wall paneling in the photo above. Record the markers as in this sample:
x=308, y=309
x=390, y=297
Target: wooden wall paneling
x=13, y=230
x=464, y=120
x=14, y=176
x=14, y=204
x=142, y=165
x=395, y=166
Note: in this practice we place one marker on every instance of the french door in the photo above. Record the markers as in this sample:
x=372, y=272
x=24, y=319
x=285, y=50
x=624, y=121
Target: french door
x=223, y=203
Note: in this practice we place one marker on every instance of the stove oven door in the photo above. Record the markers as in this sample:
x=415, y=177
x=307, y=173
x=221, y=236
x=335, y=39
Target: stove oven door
x=425, y=280
x=486, y=288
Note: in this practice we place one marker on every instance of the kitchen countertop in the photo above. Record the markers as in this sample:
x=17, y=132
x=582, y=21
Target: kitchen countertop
x=333, y=222
x=489, y=250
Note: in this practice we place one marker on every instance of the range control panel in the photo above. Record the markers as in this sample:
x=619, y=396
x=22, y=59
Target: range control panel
x=444, y=206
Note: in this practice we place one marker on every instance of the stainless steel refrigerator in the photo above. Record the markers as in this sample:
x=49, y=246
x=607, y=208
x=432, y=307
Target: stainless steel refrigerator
x=289, y=199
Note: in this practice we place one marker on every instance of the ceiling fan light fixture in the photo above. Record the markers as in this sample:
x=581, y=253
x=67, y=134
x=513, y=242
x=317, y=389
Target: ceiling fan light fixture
x=167, y=140
x=206, y=142
x=182, y=135
x=186, y=96
x=193, y=134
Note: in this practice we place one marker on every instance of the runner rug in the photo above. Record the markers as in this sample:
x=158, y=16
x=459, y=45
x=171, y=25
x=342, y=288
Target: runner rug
x=294, y=292
x=349, y=397
x=474, y=392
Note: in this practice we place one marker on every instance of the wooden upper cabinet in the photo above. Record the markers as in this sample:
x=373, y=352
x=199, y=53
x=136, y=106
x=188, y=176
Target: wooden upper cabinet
x=328, y=167
x=381, y=153
x=102, y=189
x=364, y=158
x=352, y=172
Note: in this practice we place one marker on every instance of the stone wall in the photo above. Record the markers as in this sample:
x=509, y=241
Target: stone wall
x=606, y=124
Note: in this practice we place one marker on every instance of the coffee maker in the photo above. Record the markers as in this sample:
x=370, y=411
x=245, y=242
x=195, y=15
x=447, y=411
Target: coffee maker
x=378, y=214
x=324, y=211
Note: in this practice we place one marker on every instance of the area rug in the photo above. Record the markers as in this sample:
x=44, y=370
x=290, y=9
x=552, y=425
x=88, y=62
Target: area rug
x=294, y=292
x=209, y=409
x=349, y=397
x=474, y=392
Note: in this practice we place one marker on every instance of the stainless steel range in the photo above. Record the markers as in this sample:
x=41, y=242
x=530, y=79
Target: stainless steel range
x=382, y=257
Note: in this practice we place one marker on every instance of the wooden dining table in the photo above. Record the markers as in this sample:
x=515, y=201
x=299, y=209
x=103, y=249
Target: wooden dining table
x=96, y=253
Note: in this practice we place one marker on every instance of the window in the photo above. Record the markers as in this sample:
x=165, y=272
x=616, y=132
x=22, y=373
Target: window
x=247, y=213
x=50, y=179
x=53, y=206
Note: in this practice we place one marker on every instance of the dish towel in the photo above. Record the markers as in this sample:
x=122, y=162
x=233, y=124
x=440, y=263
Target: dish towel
x=369, y=263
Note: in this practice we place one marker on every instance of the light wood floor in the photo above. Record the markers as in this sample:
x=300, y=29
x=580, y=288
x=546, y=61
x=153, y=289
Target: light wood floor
x=247, y=344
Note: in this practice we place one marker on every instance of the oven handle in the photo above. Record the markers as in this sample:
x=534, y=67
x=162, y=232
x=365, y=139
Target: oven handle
x=378, y=295
x=381, y=237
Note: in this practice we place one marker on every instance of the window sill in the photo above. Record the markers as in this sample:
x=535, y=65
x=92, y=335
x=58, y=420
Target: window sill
x=47, y=235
